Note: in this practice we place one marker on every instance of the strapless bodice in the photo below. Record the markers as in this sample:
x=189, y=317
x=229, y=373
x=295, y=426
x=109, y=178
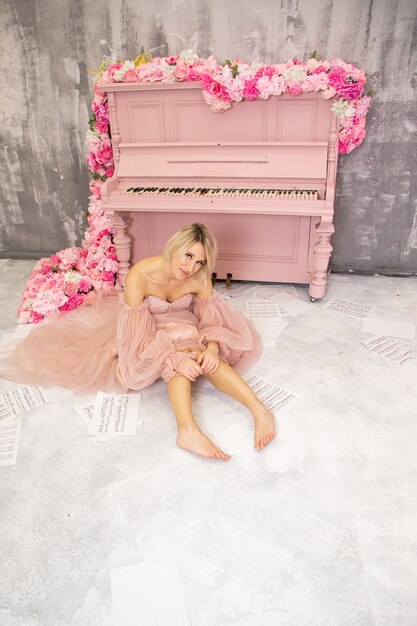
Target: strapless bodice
x=158, y=305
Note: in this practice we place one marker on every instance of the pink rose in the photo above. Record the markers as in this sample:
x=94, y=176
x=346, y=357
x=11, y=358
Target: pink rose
x=108, y=275
x=97, y=89
x=328, y=93
x=318, y=69
x=73, y=301
x=130, y=76
x=195, y=73
x=109, y=171
x=182, y=71
x=92, y=163
x=112, y=69
x=70, y=288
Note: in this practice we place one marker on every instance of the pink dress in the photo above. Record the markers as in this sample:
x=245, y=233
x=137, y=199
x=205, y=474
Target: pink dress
x=109, y=346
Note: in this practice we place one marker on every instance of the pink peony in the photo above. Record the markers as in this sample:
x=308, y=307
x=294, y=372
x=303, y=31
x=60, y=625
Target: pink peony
x=84, y=285
x=350, y=91
x=250, y=91
x=102, y=127
x=293, y=87
x=336, y=76
x=105, y=155
x=73, y=301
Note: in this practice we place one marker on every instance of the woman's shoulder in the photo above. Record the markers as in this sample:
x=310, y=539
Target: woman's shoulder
x=145, y=266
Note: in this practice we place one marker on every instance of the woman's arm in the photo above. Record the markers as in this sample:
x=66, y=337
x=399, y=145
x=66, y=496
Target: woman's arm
x=135, y=286
x=209, y=358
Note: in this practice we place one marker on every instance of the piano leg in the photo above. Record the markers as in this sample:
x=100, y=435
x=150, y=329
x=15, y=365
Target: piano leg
x=122, y=244
x=321, y=255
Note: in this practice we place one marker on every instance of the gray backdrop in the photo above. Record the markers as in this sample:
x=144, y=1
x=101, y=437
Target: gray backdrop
x=46, y=47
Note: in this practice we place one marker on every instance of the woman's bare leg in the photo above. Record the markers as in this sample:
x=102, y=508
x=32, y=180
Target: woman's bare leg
x=190, y=436
x=229, y=382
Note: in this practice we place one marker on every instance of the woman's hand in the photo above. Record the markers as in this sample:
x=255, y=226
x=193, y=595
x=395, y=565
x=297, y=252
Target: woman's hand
x=209, y=359
x=189, y=368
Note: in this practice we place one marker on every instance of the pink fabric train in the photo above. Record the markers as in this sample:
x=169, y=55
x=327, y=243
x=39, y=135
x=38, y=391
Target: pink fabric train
x=107, y=345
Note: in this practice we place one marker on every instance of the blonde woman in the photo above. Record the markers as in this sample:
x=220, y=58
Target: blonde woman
x=171, y=325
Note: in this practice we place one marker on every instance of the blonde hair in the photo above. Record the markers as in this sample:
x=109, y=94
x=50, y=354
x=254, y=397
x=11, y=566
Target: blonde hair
x=186, y=237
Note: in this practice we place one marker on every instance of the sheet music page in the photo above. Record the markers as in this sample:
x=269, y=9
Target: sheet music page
x=148, y=594
x=115, y=414
x=390, y=349
x=260, y=309
x=9, y=441
x=292, y=305
x=86, y=412
x=389, y=328
x=25, y=398
x=273, y=396
x=236, y=290
x=271, y=292
x=5, y=410
x=353, y=309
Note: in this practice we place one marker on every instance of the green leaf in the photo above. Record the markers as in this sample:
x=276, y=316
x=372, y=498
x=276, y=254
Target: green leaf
x=371, y=93
x=235, y=70
x=227, y=62
x=312, y=55
x=103, y=178
x=95, y=176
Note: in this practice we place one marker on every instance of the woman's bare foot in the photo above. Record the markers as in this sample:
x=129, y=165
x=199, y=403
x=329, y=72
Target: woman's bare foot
x=195, y=441
x=264, y=426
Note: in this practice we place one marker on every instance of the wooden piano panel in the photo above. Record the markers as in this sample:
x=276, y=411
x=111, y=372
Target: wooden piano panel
x=274, y=247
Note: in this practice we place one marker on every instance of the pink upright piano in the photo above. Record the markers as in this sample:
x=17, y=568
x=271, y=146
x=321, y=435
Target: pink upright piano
x=261, y=176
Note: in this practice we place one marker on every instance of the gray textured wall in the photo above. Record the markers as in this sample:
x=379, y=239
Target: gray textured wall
x=46, y=47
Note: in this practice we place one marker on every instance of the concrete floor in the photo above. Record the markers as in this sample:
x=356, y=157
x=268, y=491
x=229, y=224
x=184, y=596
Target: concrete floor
x=317, y=529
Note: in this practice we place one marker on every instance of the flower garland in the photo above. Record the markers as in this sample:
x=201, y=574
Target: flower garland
x=62, y=282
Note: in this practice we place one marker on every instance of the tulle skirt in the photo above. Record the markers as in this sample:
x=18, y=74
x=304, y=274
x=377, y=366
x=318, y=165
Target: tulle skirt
x=106, y=345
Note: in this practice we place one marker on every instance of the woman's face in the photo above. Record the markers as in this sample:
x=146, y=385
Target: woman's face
x=186, y=262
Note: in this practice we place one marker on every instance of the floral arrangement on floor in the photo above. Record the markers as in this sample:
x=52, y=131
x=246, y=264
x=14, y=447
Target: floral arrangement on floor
x=62, y=282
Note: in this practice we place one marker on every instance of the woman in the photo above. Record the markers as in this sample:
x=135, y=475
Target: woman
x=172, y=325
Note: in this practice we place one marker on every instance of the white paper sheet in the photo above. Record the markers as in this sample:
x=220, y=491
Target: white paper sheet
x=389, y=328
x=353, y=309
x=86, y=412
x=236, y=290
x=115, y=414
x=5, y=410
x=273, y=396
x=390, y=349
x=25, y=398
x=294, y=306
x=148, y=594
x=270, y=327
x=263, y=309
x=271, y=292
x=9, y=441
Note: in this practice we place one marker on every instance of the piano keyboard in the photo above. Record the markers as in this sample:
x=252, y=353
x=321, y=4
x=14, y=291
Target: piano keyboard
x=281, y=194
